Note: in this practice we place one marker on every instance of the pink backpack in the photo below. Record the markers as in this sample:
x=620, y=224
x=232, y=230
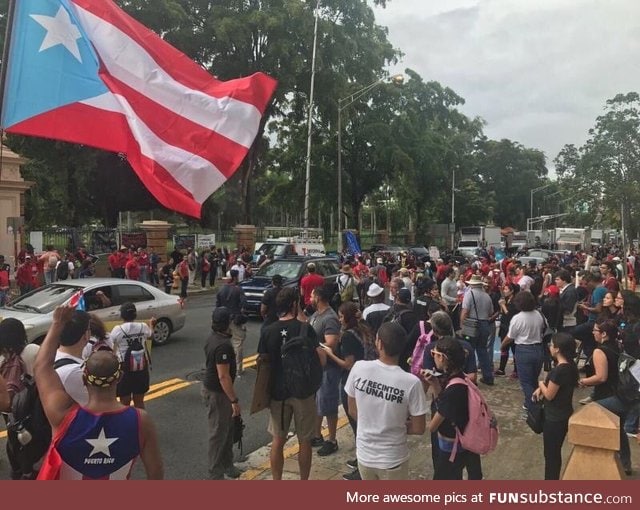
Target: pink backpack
x=481, y=433
x=418, y=351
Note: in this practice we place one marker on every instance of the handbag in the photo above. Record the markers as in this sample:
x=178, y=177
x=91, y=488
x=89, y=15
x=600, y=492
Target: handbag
x=470, y=327
x=548, y=331
x=535, y=416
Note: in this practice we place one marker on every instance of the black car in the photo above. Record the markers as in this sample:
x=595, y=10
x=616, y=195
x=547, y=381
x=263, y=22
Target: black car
x=292, y=269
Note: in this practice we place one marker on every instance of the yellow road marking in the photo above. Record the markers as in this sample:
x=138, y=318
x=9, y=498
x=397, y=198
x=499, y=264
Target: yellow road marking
x=252, y=474
x=170, y=385
x=166, y=391
x=156, y=391
x=164, y=384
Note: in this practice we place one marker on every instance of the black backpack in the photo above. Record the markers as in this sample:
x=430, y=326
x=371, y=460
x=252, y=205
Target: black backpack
x=301, y=365
x=136, y=358
x=27, y=417
x=628, y=389
x=62, y=271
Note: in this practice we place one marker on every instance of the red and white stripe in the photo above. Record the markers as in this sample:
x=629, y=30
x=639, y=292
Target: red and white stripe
x=183, y=131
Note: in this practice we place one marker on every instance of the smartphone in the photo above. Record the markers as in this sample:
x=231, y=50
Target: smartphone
x=433, y=373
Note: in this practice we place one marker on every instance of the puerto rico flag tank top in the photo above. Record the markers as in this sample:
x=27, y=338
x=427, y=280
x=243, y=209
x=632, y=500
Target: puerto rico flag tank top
x=91, y=446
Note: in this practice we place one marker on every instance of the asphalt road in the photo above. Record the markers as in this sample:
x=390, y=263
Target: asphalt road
x=174, y=400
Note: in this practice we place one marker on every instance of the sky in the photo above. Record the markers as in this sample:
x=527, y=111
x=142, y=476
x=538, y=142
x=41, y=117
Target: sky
x=538, y=72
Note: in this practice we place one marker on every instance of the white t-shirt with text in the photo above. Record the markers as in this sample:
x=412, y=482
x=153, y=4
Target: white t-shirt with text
x=386, y=396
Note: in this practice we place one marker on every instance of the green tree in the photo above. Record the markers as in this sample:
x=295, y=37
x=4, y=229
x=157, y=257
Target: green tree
x=607, y=166
x=510, y=171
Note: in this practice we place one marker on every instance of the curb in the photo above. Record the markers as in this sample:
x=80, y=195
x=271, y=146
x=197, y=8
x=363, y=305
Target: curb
x=258, y=461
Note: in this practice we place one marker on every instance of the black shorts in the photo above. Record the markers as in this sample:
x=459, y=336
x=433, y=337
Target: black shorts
x=133, y=383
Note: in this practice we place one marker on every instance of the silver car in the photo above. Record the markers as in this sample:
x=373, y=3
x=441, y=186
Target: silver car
x=35, y=309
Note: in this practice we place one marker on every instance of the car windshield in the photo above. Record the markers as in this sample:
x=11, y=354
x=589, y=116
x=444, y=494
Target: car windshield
x=273, y=250
x=285, y=268
x=44, y=299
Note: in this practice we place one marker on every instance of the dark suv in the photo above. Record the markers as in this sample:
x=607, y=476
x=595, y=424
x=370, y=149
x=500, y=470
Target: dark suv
x=292, y=269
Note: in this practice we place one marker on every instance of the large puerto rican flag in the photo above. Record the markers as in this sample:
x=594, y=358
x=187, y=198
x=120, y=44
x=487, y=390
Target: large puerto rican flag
x=84, y=71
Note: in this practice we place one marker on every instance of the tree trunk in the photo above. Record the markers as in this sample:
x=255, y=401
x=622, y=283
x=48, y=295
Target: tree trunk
x=249, y=165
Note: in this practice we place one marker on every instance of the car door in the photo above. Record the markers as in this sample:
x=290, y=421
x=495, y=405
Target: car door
x=106, y=308
x=130, y=292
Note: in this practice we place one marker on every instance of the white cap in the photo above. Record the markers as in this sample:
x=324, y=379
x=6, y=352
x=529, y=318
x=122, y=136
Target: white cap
x=374, y=290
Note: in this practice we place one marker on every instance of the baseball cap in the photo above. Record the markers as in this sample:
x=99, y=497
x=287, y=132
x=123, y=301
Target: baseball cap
x=404, y=296
x=552, y=290
x=221, y=315
x=374, y=290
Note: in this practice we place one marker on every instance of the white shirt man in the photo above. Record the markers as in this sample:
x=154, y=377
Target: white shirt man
x=382, y=397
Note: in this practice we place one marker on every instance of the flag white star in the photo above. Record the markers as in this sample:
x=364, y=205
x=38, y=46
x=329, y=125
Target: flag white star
x=283, y=333
x=101, y=444
x=60, y=30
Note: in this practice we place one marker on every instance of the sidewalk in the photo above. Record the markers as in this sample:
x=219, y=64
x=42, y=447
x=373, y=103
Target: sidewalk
x=519, y=455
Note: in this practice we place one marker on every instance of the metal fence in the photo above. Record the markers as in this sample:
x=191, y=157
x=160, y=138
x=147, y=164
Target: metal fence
x=103, y=240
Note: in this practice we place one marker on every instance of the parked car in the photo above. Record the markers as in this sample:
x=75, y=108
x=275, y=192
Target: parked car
x=291, y=269
x=545, y=254
x=527, y=260
x=35, y=309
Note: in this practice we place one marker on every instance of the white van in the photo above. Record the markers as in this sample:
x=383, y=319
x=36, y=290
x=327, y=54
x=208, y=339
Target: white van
x=287, y=246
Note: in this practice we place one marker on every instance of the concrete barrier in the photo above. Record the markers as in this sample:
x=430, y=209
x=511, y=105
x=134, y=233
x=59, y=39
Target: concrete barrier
x=595, y=433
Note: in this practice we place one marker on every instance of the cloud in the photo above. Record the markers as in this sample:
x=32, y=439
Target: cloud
x=539, y=72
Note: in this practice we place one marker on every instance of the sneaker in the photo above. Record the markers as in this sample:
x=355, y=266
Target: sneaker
x=487, y=382
x=233, y=472
x=586, y=400
x=631, y=435
x=353, y=463
x=317, y=441
x=328, y=448
x=354, y=475
x=499, y=372
x=514, y=375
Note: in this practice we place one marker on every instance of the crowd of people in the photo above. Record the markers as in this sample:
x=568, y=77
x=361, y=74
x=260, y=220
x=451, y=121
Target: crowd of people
x=564, y=323
x=84, y=427
x=396, y=340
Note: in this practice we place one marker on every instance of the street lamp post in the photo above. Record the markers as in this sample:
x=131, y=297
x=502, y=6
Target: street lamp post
x=535, y=190
x=453, y=209
x=307, y=181
x=342, y=104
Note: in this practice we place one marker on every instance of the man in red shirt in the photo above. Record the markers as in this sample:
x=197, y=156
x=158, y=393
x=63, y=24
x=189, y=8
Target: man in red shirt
x=24, y=275
x=5, y=286
x=132, y=268
x=309, y=282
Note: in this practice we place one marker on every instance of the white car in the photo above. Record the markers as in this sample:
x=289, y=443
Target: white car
x=35, y=309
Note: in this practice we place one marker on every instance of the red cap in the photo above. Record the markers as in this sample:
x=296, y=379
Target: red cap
x=552, y=290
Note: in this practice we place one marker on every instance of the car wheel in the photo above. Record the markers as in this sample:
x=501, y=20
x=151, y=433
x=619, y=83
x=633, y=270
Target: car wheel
x=161, y=332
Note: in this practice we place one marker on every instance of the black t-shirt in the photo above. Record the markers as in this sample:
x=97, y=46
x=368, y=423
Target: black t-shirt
x=271, y=340
x=218, y=351
x=453, y=404
x=560, y=408
x=425, y=307
x=269, y=301
x=350, y=345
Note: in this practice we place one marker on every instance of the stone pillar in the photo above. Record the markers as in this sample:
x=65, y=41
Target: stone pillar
x=595, y=433
x=12, y=189
x=157, y=237
x=382, y=237
x=245, y=236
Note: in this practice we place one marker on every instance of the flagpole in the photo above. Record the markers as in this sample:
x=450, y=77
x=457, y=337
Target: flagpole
x=11, y=8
